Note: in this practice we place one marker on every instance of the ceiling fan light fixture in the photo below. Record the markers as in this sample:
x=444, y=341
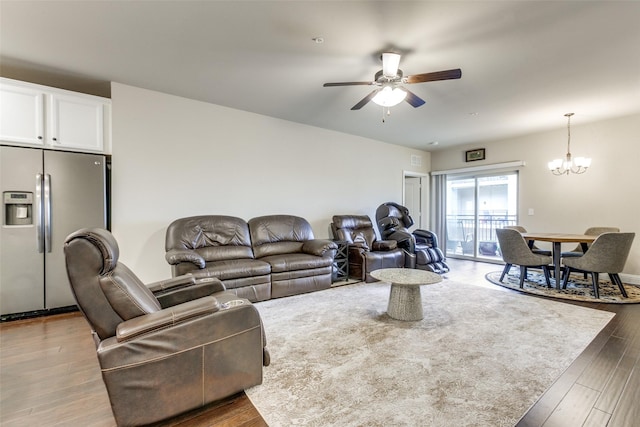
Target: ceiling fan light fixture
x=390, y=64
x=389, y=96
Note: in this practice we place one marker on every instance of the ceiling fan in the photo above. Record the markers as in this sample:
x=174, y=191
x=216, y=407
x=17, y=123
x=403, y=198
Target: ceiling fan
x=389, y=81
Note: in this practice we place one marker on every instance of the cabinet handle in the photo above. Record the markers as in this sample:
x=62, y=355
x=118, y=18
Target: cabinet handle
x=39, y=137
x=55, y=139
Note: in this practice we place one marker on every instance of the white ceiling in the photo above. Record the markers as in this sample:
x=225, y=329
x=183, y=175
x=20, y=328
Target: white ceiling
x=524, y=63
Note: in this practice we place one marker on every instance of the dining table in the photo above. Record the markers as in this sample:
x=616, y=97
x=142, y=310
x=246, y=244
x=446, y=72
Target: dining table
x=558, y=239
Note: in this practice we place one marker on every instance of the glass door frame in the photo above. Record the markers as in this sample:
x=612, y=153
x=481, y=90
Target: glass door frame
x=472, y=235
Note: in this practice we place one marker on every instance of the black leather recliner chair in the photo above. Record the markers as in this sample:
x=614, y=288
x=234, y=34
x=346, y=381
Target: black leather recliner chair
x=167, y=347
x=421, y=246
x=366, y=252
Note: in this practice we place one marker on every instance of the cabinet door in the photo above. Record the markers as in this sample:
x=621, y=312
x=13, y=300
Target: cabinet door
x=76, y=123
x=21, y=115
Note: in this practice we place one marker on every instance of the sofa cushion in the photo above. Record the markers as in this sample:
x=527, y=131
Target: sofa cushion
x=278, y=234
x=297, y=261
x=236, y=268
x=213, y=237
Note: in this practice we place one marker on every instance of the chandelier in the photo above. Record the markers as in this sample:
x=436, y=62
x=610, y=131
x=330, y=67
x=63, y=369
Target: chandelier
x=568, y=164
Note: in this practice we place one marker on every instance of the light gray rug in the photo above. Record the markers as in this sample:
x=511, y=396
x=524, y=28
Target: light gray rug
x=480, y=357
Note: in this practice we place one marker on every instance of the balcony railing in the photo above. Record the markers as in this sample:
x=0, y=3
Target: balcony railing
x=461, y=231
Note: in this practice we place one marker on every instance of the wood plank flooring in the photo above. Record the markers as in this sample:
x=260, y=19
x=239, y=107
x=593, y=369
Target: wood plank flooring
x=49, y=375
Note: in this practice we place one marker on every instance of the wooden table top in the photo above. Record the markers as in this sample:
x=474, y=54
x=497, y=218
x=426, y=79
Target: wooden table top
x=560, y=237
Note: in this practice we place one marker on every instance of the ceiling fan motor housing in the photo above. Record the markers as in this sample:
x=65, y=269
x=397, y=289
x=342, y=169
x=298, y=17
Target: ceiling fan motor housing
x=381, y=78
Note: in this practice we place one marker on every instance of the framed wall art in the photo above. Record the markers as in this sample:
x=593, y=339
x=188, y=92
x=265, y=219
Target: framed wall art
x=473, y=155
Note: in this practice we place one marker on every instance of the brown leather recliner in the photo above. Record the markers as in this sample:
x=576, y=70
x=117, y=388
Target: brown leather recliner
x=167, y=347
x=366, y=253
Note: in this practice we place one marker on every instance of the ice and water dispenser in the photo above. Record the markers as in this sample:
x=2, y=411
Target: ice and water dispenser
x=18, y=208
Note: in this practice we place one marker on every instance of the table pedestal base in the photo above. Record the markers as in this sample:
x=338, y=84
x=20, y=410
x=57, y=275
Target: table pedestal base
x=405, y=303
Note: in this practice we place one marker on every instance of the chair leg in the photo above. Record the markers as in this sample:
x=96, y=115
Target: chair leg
x=616, y=279
x=595, y=279
x=505, y=271
x=545, y=270
x=523, y=274
x=566, y=272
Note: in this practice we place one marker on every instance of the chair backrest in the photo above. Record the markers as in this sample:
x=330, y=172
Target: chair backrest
x=518, y=228
x=514, y=248
x=608, y=253
x=354, y=229
x=278, y=234
x=596, y=231
x=106, y=291
x=392, y=217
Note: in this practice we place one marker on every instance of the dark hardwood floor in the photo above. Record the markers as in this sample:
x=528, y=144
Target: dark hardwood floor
x=49, y=375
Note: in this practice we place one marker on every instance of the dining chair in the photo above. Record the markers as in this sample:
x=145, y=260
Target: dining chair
x=515, y=250
x=534, y=248
x=607, y=254
x=591, y=231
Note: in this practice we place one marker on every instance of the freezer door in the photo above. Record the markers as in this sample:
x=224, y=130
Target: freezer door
x=21, y=264
x=77, y=199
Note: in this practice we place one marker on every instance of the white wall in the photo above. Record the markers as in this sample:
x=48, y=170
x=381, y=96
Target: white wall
x=608, y=194
x=175, y=157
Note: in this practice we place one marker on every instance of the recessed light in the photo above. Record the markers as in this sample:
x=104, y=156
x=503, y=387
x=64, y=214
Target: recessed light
x=318, y=40
x=474, y=114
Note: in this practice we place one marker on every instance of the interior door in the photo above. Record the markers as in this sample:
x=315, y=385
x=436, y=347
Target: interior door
x=413, y=199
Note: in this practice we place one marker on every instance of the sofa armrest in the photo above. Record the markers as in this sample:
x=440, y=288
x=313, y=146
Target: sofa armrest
x=384, y=245
x=319, y=247
x=137, y=326
x=176, y=256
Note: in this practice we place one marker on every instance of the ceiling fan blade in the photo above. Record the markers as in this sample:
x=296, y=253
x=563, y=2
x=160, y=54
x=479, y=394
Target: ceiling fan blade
x=348, y=84
x=432, y=77
x=365, y=100
x=413, y=99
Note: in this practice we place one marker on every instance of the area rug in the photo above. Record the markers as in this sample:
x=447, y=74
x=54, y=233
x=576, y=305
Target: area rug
x=578, y=289
x=480, y=357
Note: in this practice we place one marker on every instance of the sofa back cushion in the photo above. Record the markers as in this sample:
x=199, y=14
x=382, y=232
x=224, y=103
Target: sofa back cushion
x=278, y=234
x=354, y=229
x=214, y=237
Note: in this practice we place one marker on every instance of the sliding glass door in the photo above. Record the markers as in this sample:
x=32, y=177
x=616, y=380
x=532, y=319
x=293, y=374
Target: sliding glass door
x=476, y=206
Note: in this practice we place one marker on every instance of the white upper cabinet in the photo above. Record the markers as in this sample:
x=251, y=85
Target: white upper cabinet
x=46, y=117
x=21, y=115
x=76, y=123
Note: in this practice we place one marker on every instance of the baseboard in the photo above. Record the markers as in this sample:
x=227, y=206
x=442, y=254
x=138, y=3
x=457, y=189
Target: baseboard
x=632, y=279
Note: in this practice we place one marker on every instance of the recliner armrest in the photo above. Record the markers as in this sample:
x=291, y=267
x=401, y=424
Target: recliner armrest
x=176, y=256
x=319, y=247
x=187, y=288
x=384, y=245
x=170, y=316
x=174, y=282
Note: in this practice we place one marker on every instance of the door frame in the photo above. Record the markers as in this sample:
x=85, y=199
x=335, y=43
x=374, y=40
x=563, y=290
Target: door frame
x=424, y=195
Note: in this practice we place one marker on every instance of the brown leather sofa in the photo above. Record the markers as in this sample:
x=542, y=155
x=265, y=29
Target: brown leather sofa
x=366, y=253
x=167, y=347
x=267, y=257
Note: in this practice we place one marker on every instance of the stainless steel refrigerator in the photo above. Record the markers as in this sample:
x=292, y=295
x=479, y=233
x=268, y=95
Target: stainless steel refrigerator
x=46, y=195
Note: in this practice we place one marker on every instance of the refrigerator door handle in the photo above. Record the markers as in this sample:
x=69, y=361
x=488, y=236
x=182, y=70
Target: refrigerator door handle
x=39, y=215
x=47, y=212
